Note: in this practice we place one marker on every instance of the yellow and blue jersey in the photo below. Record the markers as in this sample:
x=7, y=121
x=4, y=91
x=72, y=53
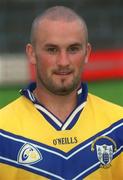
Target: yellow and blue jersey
x=36, y=145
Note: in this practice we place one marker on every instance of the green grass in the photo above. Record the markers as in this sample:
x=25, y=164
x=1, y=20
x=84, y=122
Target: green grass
x=8, y=94
x=109, y=90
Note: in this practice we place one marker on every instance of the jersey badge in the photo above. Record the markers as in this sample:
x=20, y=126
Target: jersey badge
x=104, y=147
x=28, y=154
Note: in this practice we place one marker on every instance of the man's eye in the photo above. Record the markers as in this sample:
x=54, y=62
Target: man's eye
x=74, y=49
x=52, y=50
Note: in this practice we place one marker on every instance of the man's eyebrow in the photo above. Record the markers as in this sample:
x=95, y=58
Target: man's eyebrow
x=70, y=45
x=76, y=44
x=50, y=45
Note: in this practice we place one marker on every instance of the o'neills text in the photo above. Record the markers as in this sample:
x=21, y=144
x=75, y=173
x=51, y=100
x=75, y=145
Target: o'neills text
x=66, y=140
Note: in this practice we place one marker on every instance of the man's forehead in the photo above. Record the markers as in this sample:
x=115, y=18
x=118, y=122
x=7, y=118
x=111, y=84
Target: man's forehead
x=49, y=22
x=58, y=16
x=60, y=28
x=60, y=31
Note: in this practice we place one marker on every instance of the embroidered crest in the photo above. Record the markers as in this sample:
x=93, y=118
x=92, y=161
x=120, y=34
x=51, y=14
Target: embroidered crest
x=105, y=147
x=29, y=154
x=105, y=154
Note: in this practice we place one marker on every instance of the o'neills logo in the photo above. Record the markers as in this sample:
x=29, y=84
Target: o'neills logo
x=66, y=140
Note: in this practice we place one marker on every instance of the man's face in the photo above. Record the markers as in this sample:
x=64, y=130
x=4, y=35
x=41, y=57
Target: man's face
x=60, y=52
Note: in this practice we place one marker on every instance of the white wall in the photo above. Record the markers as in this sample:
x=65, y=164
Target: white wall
x=14, y=69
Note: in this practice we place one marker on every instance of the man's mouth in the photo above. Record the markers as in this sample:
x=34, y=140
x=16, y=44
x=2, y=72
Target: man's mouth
x=63, y=72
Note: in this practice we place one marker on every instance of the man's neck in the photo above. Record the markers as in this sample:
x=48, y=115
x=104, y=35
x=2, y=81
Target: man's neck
x=60, y=106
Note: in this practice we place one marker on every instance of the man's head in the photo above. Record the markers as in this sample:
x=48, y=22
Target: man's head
x=57, y=13
x=59, y=48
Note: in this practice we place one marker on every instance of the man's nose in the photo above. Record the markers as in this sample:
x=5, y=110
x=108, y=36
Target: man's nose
x=63, y=59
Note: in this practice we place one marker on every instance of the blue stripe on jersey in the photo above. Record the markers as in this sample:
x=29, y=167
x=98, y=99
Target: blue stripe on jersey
x=82, y=97
x=77, y=163
x=50, y=120
x=50, y=117
x=74, y=120
x=32, y=169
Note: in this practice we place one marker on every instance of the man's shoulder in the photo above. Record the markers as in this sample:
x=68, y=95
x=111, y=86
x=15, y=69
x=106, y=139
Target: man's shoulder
x=14, y=107
x=102, y=102
x=104, y=105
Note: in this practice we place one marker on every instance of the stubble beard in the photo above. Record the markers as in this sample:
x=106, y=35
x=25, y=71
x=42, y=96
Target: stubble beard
x=61, y=88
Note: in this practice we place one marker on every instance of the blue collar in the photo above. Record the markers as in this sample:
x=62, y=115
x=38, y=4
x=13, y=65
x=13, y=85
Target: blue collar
x=49, y=116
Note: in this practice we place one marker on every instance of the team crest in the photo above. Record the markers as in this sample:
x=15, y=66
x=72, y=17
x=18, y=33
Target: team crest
x=104, y=151
x=105, y=154
x=29, y=154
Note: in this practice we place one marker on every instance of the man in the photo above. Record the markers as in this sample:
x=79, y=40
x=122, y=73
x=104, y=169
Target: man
x=56, y=129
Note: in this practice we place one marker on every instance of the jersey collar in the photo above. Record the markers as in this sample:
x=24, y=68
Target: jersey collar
x=49, y=116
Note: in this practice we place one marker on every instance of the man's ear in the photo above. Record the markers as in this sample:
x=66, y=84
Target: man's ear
x=88, y=51
x=30, y=54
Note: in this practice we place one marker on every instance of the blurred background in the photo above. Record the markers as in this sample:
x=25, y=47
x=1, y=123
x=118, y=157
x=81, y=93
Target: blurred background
x=104, y=18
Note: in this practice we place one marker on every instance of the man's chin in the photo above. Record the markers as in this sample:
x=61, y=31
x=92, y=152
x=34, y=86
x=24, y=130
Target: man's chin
x=64, y=90
x=62, y=93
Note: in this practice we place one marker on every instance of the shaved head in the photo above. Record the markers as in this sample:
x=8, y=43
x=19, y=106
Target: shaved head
x=59, y=49
x=57, y=13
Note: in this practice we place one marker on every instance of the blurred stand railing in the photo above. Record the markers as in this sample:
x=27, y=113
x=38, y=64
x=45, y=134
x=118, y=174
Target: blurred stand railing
x=104, y=64
x=13, y=69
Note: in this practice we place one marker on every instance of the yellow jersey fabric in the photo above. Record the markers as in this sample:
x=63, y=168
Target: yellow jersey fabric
x=31, y=148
